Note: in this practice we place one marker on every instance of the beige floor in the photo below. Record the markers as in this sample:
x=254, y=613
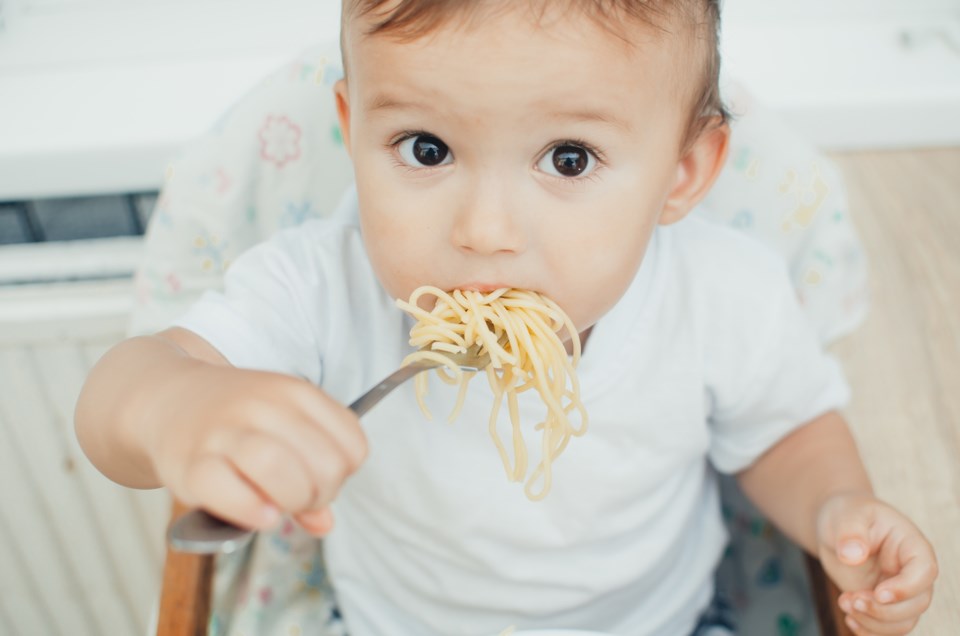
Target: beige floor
x=904, y=362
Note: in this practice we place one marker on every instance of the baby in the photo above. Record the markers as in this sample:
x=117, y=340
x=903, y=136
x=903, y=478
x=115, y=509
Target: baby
x=556, y=147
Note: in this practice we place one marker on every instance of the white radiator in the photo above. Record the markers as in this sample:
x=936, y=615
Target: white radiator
x=79, y=555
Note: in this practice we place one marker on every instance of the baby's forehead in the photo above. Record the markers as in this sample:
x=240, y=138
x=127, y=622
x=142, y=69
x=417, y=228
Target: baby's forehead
x=421, y=22
x=667, y=48
x=632, y=21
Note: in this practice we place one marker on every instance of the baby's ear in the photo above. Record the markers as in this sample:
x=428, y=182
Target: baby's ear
x=343, y=111
x=698, y=167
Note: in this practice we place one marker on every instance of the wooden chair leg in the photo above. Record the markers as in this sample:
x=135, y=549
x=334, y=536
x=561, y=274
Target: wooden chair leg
x=187, y=589
x=825, y=594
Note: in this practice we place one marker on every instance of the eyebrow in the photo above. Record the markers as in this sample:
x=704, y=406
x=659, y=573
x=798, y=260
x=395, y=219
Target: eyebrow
x=600, y=117
x=383, y=102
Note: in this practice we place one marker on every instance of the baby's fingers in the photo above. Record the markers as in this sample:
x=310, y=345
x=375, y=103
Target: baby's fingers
x=316, y=522
x=273, y=468
x=893, y=616
x=213, y=484
x=918, y=570
x=880, y=629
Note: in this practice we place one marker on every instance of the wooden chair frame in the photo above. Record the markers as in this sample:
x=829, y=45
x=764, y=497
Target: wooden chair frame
x=188, y=585
x=185, y=598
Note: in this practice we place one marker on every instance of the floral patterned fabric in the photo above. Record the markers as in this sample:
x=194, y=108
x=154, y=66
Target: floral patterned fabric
x=779, y=189
x=276, y=158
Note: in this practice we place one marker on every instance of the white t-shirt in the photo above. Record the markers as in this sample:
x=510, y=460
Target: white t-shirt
x=705, y=362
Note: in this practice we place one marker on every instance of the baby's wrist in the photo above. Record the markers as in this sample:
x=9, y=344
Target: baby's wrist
x=835, y=502
x=153, y=402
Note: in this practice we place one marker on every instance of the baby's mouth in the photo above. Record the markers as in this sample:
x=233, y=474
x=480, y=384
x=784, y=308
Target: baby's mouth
x=483, y=288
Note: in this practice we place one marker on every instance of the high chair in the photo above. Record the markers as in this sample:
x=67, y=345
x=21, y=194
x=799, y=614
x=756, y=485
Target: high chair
x=185, y=599
x=276, y=159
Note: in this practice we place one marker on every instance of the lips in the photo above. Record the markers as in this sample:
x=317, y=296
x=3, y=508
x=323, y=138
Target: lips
x=483, y=288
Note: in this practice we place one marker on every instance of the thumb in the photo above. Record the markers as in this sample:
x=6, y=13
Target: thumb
x=853, y=550
x=848, y=535
x=852, y=543
x=849, y=541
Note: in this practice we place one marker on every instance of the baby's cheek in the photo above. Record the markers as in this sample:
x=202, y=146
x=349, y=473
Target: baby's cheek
x=400, y=266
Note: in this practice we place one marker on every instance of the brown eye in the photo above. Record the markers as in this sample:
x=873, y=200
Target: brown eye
x=568, y=160
x=423, y=151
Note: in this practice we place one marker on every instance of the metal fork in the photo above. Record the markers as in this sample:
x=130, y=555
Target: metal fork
x=199, y=532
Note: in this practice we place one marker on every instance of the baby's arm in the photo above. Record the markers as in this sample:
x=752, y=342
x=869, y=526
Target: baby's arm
x=791, y=482
x=813, y=485
x=168, y=410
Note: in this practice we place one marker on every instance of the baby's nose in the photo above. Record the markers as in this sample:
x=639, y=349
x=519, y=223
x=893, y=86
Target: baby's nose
x=488, y=222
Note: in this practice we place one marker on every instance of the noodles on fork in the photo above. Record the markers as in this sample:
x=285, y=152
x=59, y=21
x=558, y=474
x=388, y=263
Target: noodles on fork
x=520, y=330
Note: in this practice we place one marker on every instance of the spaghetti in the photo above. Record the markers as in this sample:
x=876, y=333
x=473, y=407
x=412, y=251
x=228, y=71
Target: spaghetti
x=520, y=330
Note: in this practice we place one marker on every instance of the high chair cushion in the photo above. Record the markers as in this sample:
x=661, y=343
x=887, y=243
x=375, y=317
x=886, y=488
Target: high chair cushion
x=276, y=158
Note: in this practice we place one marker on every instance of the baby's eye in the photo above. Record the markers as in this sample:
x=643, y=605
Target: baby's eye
x=418, y=151
x=568, y=160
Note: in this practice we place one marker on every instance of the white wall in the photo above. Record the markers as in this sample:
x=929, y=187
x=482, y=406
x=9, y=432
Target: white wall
x=124, y=68
x=736, y=11
x=852, y=74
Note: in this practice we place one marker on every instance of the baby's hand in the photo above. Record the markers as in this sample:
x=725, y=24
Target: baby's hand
x=881, y=561
x=248, y=446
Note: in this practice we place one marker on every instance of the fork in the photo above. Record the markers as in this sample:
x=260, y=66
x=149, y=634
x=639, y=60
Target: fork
x=199, y=532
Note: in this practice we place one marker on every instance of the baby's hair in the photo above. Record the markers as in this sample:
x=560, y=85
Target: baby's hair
x=697, y=21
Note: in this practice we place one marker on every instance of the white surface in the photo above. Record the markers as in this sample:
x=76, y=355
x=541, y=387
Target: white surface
x=69, y=260
x=82, y=556
x=737, y=11
x=99, y=99
x=855, y=84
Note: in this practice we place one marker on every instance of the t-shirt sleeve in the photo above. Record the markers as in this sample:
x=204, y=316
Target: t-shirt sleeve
x=770, y=374
x=265, y=317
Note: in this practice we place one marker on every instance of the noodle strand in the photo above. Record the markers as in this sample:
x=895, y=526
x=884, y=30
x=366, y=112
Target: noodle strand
x=520, y=330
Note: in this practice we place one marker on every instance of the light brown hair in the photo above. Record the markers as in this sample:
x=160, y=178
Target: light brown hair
x=698, y=21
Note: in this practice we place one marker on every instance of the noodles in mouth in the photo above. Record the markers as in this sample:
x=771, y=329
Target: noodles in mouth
x=520, y=330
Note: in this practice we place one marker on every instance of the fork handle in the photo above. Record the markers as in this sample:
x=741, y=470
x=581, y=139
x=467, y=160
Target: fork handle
x=370, y=399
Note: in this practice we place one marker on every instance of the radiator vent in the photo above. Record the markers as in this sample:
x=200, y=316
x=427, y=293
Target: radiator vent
x=79, y=555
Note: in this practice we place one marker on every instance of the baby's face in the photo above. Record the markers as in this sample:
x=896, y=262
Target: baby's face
x=507, y=155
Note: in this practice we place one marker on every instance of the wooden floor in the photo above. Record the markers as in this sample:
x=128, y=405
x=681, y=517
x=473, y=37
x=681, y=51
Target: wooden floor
x=904, y=362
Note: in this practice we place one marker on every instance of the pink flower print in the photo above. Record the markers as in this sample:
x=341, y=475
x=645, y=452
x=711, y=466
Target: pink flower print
x=265, y=595
x=173, y=282
x=279, y=141
x=224, y=181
